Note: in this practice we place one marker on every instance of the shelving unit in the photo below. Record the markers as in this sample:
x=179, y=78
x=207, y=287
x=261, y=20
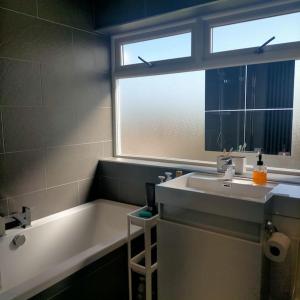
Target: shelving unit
x=134, y=263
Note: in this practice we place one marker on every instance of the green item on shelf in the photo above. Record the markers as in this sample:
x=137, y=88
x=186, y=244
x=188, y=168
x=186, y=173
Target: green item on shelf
x=145, y=214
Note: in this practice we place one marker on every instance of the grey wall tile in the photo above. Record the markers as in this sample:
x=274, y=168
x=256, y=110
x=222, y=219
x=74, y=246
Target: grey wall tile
x=285, y=206
x=105, y=121
x=107, y=149
x=17, y=35
x=71, y=163
x=22, y=172
x=25, y=6
x=57, y=84
x=35, y=201
x=1, y=137
x=3, y=207
x=91, y=52
x=133, y=192
x=91, y=69
x=131, y=171
x=109, y=188
x=20, y=83
x=91, y=88
x=61, y=198
x=62, y=166
x=23, y=128
x=74, y=124
x=34, y=39
x=128, y=180
x=89, y=155
x=46, y=202
x=54, y=43
x=70, y=12
x=131, y=181
x=93, y=123
x=87, y=191
x=3, y=193
x=61, y=125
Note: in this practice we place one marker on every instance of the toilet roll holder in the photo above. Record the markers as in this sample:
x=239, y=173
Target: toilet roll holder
x=270, y=227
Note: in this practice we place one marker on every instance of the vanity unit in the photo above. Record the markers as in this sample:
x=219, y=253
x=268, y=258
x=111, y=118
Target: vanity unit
x=211, y=234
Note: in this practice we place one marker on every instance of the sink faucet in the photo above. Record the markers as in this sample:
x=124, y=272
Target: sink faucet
x=22, y=219
x=223, y=162
x=229, y=169
x=227, y=162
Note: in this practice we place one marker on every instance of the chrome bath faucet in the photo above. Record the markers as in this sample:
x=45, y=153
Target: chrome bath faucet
x=22, y=219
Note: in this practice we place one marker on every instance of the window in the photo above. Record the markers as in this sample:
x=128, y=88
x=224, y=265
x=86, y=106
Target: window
x=191, y=115
x=200, y=86
x=250, y=106
x=162, y=116
x=285, y=29
x=163, y=48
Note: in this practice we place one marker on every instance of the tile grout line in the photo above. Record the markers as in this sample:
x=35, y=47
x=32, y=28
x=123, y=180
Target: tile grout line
x=2, y=131
x=78, y=196
x=72, y=35
x=102, y=149
x=46, y=189
x=40, y=105
x=6, y=205
x=81, y=144
x=41, y=85
x=20, y=59
x=53, y=22
x=37, y=8
x=58, y=146
x=45, y=168
x=21, y=106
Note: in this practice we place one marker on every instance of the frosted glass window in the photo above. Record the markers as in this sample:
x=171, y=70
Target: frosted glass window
x=178, y=116
x=169, y=47
x=163, y=115
x=285, y=28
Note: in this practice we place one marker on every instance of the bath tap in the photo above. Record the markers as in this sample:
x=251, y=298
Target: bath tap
x=2, y=226
x=22, y=219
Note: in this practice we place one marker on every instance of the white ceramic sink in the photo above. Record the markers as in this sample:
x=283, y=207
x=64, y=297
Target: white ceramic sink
x=236, y=188
x=238, y=198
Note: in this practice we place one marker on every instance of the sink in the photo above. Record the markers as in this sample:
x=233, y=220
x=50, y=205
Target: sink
x=237, y=198
x=237, y=188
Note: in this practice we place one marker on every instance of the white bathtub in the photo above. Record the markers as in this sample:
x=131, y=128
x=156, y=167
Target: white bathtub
x=59, y=245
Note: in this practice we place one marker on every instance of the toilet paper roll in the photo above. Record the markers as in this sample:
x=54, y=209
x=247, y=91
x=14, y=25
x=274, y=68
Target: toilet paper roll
x=277, y=246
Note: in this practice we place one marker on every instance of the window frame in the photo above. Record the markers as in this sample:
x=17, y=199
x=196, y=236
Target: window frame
x=160, y=66
x=201, y=59
x=272, y=53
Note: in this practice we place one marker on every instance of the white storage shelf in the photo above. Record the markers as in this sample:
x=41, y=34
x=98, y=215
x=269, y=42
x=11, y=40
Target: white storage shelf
x=134, y=263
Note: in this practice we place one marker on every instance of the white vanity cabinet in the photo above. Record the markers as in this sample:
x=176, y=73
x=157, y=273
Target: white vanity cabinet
x=196, y=264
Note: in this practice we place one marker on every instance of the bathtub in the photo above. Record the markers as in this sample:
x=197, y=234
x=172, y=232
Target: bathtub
x=59, y=245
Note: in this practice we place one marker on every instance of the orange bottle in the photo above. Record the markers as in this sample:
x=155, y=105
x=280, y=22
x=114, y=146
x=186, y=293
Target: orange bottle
x=259, y=175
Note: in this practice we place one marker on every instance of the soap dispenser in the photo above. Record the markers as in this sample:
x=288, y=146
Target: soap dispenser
x=259, y=175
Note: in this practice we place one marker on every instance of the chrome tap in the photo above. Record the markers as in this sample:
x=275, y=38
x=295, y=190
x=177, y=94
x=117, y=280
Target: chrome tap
x=22, y=219
x=2, y=226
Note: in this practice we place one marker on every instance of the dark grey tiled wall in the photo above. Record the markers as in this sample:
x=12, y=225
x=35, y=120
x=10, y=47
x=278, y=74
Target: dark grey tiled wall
x=55, y=104
x=125, y=182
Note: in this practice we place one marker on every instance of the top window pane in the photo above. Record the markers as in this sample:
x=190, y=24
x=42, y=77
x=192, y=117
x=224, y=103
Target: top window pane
x=285, y=28
x=169, y=47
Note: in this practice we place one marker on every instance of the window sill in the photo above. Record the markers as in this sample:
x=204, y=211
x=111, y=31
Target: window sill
x=274, y=174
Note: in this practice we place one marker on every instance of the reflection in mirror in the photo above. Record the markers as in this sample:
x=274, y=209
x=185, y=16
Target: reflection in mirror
x=250, y=105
